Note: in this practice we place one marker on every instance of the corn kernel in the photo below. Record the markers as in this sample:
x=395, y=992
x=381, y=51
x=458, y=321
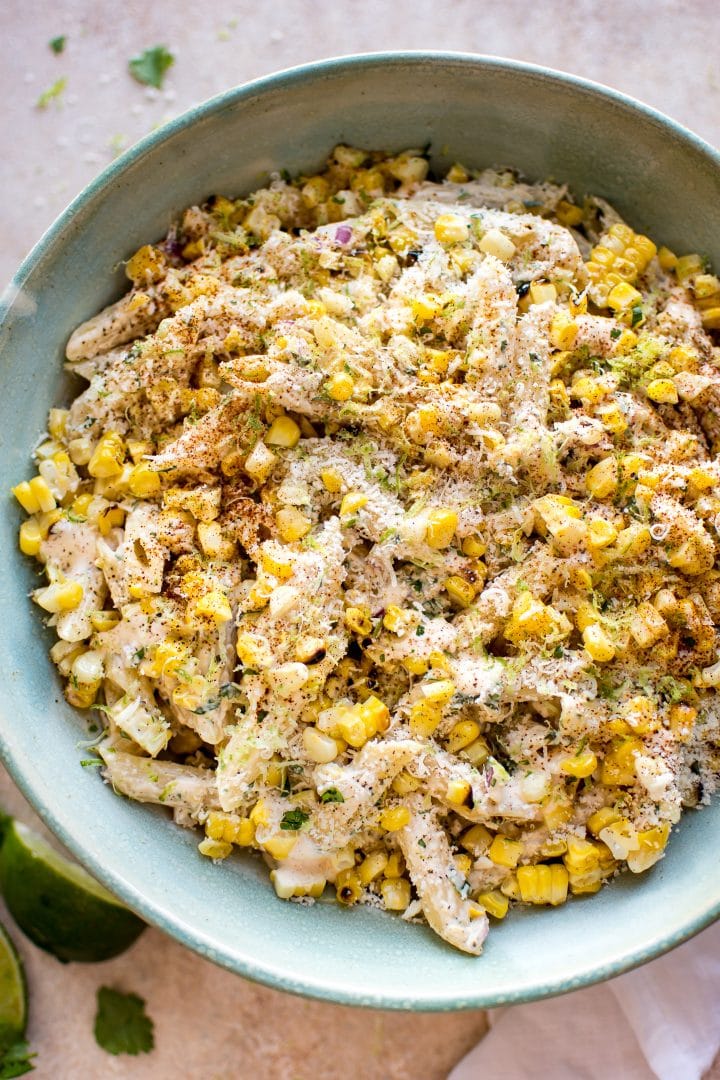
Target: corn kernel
x=143, y=481
x=496, y=243
x=494, y=903
x=621, y=837
x=580, y=765
x=458, y=792
x=340, y=386
x=602, y=479
x=30, y=537
x=394, y=818
x=505, y=852
x=395, y=865
x=108, y=456
x=60, y=596
x=372, y=866
x=563, y=331
x=332, y=481
x=214, y=849
x=598, y=644
x=352, y=502
x=460, y=591
x=568, y=214
x=451, y=229
x=623, y=296
x=358, y=620
x=215, y=605
x=662, y=391
x=292, y=524
x=667, y=258
x=283, y=432
x=543, y=884
x=647, y=626
x=280, y=845
x=462, y=735
x=440, y=528
x=260, y=462
x=603, y=817
x=477, y=839
x=618, y=768
x=395, y=893
x=600, y=534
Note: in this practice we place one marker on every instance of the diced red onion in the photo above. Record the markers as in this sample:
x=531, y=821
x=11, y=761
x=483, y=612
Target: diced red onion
x=343, y=234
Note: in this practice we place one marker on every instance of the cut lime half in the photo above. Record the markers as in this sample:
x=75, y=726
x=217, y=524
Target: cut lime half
x=13, y=994
x=57, y=904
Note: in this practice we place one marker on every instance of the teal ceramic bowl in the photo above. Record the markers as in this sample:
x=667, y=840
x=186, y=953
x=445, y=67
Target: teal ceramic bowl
x=483, y=112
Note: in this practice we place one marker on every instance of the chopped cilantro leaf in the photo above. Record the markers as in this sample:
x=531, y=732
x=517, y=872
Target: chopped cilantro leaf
x=420, y=630
x=421, y=843
x=53, y=93
x=16, y=1061
x=332, y=795
x=150, y=66
x=121, y=1023
x=293, y=820
x=57, y=44
x=615, y=333
x=637, y=314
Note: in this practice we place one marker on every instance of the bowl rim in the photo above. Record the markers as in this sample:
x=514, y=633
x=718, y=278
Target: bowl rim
x=163, y=918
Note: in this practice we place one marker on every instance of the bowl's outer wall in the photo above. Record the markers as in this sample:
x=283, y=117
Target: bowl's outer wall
x=481, y=113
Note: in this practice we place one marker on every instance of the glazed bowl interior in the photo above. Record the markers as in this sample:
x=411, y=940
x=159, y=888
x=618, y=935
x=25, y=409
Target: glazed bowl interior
x=481, y=112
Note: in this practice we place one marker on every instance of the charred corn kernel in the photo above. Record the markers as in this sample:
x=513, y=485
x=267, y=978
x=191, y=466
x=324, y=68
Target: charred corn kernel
x=332, y=481
x=568, y=214
x=451, y=229
x=473, y=547
x=462, y=735
x=580, y=765
x=108, y=456
x=395, y=893
x=60, y=596
x=477, y=840
x=214, y=605
x=496, y=243
x=563, y=330
x=494, y=903
x=477, y=752
x=104, y=620
x=260, y=463
x=283, y=432
x=688, y=266
x=440, y=528
x=309, y=650
x=618, y=768
x=542, y=884
x=394, y=818
x=623, y=296
x=601, y=533
x=30, y=537
x=460, y=591
x=647, y=626
x=372, y=866
x=358, y=620
x=374, y=714
x=457, y=792
x=621, y=837
x=348, y=887
x=505, y=852
x=292, y=524
x=280, y=845
x=352, y=502
x=640, y=714
x=603, y=817
x=395, y=865
x=340, y=386
x=214, y=849
x=662, y=391
x=143, y=481
x=602, y=479
x=667, y=258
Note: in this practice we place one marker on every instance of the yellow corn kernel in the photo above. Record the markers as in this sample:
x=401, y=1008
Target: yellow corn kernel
x=358, y=620
x=214, y=849
x=451, y=229
x=212, y=541
x=598, y=644
x=440, y=528
x=351, y=728
x=581, y=855
x=477, y=752
x=395, y=893
x=42, y=494
x=112, y=517
x=556, y=811
x=251, y=652
x=283, y=432
x=505, y=852
x=580, y=765
x=457, y=174
x=318, y=746
x=404, y=783
x=601, y=533
x=621, y=837
x=260, y=463
x=494, y=903
x=647, y=626
x=602, y=479
x=426, y=307
x=104, y=620
x=473, y=547
x=416, y=665
x=541, y=292
x=143, y=481
x=623, y=296
x=25, y=496
x=477, y=839
x=687, y=266
x=460, y=591
x=509, y=887
x=108, y=456
x=662, y=391
x=667, y=258
x=280, y=845
x=352, y=502
x=60, y=596
x=563, y=330
x=292, y=524
x=652, y=843
x=30, y=537
x=259, y=814
x=568, y=214
x=457, y=792
x=496, y=243
x=462, y=735
x=215, y=605
x=394, y=818
x=395, y=865
x=543, y=884
x=332, y=481
x=463, y=863
x=640, y=714
x=374, y=714
x=372, y=866
x=396, y=620
x=340, y=386
x=618, y=768
x=682, y=719
x=146, y=264
x=711, y=318
x=603, y=817
x=425, y=716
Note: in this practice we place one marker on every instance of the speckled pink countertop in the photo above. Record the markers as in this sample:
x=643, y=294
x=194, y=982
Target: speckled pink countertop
x=209, y=1024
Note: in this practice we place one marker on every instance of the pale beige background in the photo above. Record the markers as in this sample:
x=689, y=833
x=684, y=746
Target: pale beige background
x=211, y=1025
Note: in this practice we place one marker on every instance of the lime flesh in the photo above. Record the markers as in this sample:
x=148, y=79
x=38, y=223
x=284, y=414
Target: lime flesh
x=13, y=994
x=58, y=905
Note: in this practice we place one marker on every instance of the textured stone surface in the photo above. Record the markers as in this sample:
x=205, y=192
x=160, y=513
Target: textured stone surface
x=211, y=1025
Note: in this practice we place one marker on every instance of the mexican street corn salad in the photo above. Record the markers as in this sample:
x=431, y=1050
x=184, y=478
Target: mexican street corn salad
x=384, y=537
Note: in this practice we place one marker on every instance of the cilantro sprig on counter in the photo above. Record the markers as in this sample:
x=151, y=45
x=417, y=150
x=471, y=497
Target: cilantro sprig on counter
x=121, y=1023
x=150, y=66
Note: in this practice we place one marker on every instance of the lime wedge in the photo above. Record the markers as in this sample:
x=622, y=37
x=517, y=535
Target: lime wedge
x=57, y=904
x=13, y=994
